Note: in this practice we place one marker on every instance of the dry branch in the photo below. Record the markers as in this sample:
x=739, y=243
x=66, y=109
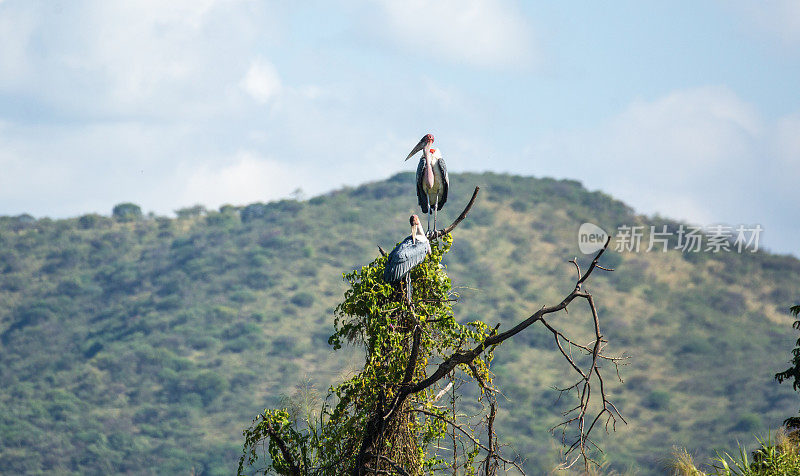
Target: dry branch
x=439, y=233
x=466, y=433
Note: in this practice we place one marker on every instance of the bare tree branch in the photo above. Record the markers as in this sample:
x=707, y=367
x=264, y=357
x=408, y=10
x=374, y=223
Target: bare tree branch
x=468, y=356
x=439, y=233
x=477, y=443
x=582, y=347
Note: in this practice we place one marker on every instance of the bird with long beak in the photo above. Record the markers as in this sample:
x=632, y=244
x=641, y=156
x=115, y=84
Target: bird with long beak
x=407, y=255
x=432, y=179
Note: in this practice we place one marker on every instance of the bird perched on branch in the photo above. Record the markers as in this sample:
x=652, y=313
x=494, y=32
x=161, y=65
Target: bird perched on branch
x=432, y=179
x=407, y=255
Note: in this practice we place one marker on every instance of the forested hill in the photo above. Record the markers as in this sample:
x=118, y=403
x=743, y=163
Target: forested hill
x=144, y=345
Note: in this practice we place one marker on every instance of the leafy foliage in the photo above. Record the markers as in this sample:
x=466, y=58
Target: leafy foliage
x=773, y=457
x=127, y=212
x=793, y=372
x=777, y=455
x=376, y=316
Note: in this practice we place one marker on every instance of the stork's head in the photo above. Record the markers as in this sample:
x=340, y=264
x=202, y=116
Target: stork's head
x=424, y=142
x=416, y=229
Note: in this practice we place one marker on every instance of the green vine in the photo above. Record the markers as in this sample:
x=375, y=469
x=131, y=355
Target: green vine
x=376, y=317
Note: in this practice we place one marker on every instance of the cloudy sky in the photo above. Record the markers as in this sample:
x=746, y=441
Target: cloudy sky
x=686, y=109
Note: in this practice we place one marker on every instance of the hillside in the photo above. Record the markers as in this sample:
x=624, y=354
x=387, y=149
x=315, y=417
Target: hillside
x=146, y=346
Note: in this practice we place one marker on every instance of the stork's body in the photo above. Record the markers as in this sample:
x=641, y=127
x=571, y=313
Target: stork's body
x=407, y=255
x=432, y=180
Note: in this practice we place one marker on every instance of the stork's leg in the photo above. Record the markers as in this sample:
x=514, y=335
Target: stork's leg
x=435, y=209
x=429, y=216
x=408, y=287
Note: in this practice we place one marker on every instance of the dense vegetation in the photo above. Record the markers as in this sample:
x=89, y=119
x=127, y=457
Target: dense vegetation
x=390, y=326
x=135, y=343
x=776, y=455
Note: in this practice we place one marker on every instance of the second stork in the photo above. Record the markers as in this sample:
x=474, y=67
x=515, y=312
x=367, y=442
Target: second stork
x=406, y=256
x=432, y=179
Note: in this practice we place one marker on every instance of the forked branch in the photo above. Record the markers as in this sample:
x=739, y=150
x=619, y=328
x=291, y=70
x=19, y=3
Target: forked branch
x=576, y=416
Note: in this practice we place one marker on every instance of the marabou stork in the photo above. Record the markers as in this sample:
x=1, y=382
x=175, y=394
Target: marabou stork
x=432, y=179
x=407, y=255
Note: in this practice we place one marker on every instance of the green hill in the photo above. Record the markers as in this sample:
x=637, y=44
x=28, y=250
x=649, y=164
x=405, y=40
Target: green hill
x=145, y=345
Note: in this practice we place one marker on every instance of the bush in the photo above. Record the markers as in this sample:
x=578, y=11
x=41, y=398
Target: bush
x=303, y=299
x=749, y=422
x=12, y=283
x=253, y=212
x=241, y=344
x=209, y=386
x=222, y=220
x=31, y=316
x=520, y=205
x=258, y=279
x=87, y=222
x=779, y=454
x=23, y=221
x=240, y=329
x=125, y=212
x=657, y=400
x=243, y=296
x=191, y=212
x=70, y=287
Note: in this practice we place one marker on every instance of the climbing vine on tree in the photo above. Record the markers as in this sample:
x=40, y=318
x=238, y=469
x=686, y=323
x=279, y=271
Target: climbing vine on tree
x=400, y=413
x=377, y=317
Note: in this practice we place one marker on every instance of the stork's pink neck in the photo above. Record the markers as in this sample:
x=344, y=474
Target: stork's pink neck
x=417, y=234
x=429, y=177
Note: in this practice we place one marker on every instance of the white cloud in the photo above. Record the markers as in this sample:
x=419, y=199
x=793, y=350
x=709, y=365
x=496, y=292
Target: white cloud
x=480, y=33
x=788, y=140
x=248, y=178
x=15, y=35
x=696, y=130
x=261, y=81
x=778, y=18
x=129, y=59
x=701, y=154
x=786, y=149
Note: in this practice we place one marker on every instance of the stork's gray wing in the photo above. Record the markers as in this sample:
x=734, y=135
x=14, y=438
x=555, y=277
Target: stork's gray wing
x=403, y=258
x=421, y=196
x=446, y=185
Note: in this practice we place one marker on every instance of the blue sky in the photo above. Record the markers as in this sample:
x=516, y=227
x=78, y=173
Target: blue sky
x=686, y=109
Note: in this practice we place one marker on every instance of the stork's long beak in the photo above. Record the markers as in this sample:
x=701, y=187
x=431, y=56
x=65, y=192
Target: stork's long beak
x=420, y=145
